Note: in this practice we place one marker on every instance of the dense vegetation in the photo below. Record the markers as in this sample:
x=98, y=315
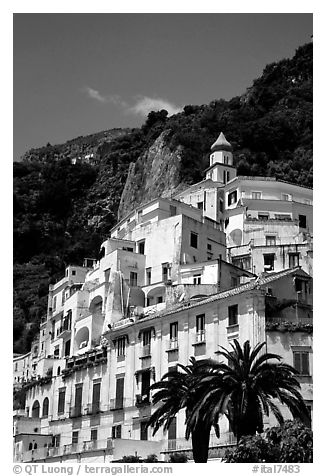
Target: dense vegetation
x=62, y=211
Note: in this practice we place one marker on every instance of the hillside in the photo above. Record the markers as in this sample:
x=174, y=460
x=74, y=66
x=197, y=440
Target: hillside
x=63, y=210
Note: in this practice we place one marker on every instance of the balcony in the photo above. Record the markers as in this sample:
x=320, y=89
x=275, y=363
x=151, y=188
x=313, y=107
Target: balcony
x=75, y=412
x=73, y=448
x=173, y=345
x=94, y=408
x=145, y=351
x=181, y=444
x=142, y=400
x=120, y=403
x=200, y=338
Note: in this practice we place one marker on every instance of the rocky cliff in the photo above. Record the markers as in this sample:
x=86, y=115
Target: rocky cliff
x=156, y=173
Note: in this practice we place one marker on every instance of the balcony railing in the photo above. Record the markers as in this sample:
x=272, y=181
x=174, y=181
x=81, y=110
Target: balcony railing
x=94, y=408
x=75, y=412
x=119, y=403
x=142, y=400
x=181, y=444
x=73, y=448
x=200, y=337
x=173, y=344
x=146, y=350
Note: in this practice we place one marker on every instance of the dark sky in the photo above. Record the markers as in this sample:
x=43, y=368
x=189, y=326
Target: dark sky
x=75, y=74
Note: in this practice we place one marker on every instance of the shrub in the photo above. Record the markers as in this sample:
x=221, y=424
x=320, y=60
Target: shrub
x=178, y=458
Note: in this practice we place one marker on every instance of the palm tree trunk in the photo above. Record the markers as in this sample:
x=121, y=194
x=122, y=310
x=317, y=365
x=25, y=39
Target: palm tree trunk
x=200, y=443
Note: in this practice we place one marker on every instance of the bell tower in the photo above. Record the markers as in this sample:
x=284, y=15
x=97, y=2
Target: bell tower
x=221, y=167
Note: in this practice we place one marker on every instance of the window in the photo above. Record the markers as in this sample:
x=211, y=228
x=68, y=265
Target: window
x=139, y=214
x=145, y=385
x=209, y=247
x=141, y=247
x=270, y=240
x=45, y=410
x=94, y=434
x=200, y=323
x=56, y=440
x=96, y=398
x=243, y=262
x=16, y=366
x=197, y=278
x=263, y=216
x=54, y=303
x=61, y=400
x=73, y=272
x=302, y=221
x=121, y=346
x=232, y=197
x=174, y=331
x=166, y=272
x=200, y=205
x=74, y=437
x=256, y=195
x=148, y=276
x=193, y=240
x=173, y=210
x=301, y=362
x=116, y=432
x=143, y=431
x=200, y=328
x=119, y=392
x=234, y=281
x=269, y=262
x=282, y=216
x=226, y=176
x=133, y=278
x=78, y=399
x=147, y=337
x=286, y=196
x=159, y=299
x=233, y=315
x=221, y=206
x=293, y=260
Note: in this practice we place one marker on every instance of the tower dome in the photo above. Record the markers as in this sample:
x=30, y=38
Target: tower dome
x=221, y=144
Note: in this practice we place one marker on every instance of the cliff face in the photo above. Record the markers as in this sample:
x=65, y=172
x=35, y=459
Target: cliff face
x=156, y=173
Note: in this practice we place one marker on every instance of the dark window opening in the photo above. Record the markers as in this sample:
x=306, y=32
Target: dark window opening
x=302, y=221
x=61, y=401
x=119, y=392
x=141, y=247
x=143, y=431
x=232, y=198
x=116, y=432
x=193, y=240
x=233, y=315
x=94, y=434
x=269, y=262
x=133, y=278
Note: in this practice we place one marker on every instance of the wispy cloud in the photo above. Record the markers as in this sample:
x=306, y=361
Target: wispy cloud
x=142, y=105
x=93, y=94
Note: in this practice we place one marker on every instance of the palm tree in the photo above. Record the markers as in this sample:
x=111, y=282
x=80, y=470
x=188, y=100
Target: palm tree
x=245, y=389
x=177, y=390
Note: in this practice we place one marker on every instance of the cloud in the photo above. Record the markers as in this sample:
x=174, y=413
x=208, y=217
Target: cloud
x=93, y=94
x=144, y=105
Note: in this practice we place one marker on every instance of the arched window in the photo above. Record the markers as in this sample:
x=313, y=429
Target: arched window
x=36, y=409
x=58, y=370
x=45, y=411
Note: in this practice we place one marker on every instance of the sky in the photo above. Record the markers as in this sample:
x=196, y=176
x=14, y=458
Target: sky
x=75, y=74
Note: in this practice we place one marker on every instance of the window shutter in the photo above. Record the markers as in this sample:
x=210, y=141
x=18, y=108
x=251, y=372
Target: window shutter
x=305, y=363
x=297, y=361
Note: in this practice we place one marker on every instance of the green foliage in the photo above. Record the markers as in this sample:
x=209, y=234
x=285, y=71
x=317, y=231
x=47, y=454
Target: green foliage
x=291, y=442
x=178, y=458
x=252, y=449
x=129, y=459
